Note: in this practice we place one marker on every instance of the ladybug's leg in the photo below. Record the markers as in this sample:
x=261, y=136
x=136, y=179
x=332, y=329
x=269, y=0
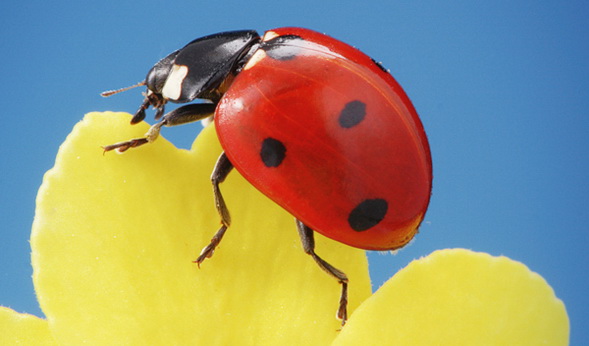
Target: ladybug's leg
x=222, y=169
x=308, y=240
x=220, y=172
x=186, y=114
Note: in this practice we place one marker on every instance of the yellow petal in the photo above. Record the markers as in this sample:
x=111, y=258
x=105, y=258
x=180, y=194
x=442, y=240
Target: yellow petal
x=114, y=238
x=459, y=297
x=23, y=329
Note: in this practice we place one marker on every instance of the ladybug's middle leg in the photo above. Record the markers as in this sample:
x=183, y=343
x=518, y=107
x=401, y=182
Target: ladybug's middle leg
x=222, y=169
x=308, y=241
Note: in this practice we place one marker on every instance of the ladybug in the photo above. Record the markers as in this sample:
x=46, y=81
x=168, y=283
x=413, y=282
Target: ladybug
x=313, y=123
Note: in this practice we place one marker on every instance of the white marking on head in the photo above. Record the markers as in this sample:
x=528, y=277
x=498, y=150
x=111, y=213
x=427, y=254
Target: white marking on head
x=173, y=87
x=256, y=58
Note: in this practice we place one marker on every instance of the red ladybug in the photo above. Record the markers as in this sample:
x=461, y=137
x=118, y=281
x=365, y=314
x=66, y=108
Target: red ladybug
x=313, y=123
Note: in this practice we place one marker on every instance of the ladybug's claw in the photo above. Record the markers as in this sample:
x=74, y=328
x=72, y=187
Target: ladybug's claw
x=342, y=311
x=124, y=146
x=208, y=251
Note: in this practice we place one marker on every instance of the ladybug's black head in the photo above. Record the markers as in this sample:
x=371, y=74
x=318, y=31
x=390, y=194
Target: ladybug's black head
x=197, y=71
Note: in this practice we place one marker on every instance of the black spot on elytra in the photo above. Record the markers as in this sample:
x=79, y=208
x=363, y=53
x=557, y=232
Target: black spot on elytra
x=273, y=152
x=278, y=48
x=368, y=214
x=352, y=114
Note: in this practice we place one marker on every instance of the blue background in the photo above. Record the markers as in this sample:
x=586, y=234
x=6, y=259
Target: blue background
x=501, y=86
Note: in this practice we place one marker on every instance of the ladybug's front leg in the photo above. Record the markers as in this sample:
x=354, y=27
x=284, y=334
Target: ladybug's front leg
x=308, y=241
x=183, y=115
x=220, y=172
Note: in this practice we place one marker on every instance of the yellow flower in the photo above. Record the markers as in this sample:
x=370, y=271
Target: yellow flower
x=114, y=238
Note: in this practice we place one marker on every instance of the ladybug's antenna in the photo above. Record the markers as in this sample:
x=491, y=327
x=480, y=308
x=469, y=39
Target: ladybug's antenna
x=112, y=92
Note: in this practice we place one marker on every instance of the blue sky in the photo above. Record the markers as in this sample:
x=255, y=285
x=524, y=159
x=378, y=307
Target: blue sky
x=502, y=88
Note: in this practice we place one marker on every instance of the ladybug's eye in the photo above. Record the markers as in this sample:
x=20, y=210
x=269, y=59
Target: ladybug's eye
x=158, y=74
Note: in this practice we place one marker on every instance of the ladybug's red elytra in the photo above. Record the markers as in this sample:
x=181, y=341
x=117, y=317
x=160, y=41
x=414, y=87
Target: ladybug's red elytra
x=313, y=123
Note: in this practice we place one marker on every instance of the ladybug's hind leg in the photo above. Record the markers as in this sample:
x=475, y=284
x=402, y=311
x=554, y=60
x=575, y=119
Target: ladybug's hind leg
x=222, y=169
x=308, y=241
